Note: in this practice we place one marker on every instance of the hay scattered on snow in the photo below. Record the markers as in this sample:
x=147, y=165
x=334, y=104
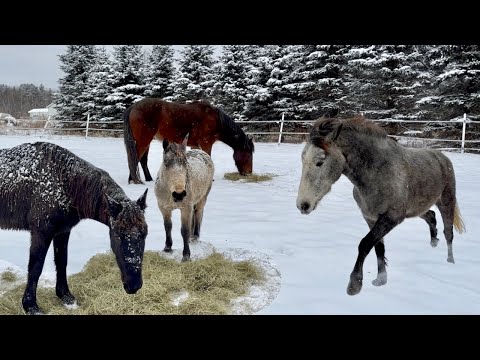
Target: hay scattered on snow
x=210, y=283
x=234, y=176
x=8, y=276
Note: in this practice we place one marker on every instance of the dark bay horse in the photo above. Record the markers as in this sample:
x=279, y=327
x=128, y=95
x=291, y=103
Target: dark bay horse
x=391, y=183
x=47, y=190
x=205, y=124
x=183, y=182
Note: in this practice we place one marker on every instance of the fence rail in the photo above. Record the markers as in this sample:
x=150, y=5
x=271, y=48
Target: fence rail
x=88, y=128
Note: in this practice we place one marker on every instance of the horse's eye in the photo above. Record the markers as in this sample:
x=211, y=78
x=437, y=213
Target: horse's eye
x=319, y=163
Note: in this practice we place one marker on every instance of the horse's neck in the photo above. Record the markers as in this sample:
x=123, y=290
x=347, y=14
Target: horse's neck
x=92, y=203
x=365, y=156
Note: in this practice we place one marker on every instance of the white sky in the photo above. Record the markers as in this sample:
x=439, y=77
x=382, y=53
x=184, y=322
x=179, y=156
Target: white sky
x=37, y=64
x=314, y=254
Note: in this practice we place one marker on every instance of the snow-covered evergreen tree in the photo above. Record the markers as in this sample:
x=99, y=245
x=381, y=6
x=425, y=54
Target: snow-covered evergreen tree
x=128, y=79
x=160, y=72
x=99, y=87
x=75, y=63
x=281, y=83
x=383, y=80
x=456, y=85
x=259, y=100
x=195, y=77
x=230, y=87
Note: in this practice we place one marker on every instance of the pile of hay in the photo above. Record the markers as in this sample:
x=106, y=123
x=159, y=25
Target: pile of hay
x=204, y=286
x=234, y=176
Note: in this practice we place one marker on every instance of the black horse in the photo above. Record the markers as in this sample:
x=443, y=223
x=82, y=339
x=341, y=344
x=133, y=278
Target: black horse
x=47, y=190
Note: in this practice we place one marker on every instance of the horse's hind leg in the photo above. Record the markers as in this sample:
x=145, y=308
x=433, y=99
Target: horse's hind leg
x=40, y=243
x=381, y=260
x=446, y=205
x=429, y=217
x=167, y=223
x=197, y=219
x=60, y=256
x=144, y=163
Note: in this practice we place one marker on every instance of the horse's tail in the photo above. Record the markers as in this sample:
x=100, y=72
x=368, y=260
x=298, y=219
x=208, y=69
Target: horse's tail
x=130, y=146
x=458, y=221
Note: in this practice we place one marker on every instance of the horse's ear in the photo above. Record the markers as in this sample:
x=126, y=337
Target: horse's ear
x=114, y=207
x=165, y=144
x=185, y=141
x=337, y=131
x=142, y=200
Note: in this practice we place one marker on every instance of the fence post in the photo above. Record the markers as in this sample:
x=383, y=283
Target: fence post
x=463, y=131
x=88, y=122
x=281, y=129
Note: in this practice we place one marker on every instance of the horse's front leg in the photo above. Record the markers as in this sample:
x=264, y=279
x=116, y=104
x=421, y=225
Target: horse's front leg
x=60, y=256
x=186, y=217
x=381, y=260
x=382, y=227
x=40, y=243
x=167, y=224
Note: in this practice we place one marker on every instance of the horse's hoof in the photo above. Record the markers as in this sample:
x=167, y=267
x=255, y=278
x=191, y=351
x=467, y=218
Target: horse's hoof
x=380, y=280
x=451, y=260
x=185, y=258
x=194, y=239
x=68, y=299
x=135, y=181
x=434, y=242
x=354, y=287
x=34, y=311
x=168, y=249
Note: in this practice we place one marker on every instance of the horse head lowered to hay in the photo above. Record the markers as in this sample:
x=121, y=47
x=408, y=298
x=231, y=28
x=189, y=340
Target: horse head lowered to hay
x=205, y=124
x=183, y=182
x=47, y=190
x=391, y=183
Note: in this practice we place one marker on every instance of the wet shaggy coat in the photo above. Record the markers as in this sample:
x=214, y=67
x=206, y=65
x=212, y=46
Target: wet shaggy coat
x=47, y=190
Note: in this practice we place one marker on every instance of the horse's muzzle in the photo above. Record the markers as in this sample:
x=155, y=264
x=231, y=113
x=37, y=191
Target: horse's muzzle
x=304, y=207
x=132, y=288
x=178, y=196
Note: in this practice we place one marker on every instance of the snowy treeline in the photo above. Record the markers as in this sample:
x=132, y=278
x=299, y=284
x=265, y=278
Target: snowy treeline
x=252, y=82
x=18, y=100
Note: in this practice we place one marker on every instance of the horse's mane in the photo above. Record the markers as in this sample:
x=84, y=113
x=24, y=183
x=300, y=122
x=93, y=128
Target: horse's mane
x=232, y=133
x=359, y=124
x=86, y=183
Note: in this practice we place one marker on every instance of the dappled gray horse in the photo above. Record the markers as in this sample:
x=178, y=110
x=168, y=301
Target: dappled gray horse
x=391, y=183
x=183, y=182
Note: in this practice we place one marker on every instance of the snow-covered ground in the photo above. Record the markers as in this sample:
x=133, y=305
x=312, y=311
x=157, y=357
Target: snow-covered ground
x=308, y=258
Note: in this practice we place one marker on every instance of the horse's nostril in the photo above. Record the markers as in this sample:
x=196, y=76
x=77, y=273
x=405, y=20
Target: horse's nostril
x=304, y=206
x=179, y=196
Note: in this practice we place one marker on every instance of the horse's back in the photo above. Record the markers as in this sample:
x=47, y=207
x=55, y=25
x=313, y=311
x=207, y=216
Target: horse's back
x=154, y=117
x=200, y=165
x=30, y=184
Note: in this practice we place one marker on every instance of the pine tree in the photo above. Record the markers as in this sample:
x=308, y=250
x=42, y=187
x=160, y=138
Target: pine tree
x=128, y=79
x=230, y=88
x=195, y=76
x=75, y=63
x=282, y=85
x=160, y=72
x=99, y=87
x=259, y=97
x=457, y=83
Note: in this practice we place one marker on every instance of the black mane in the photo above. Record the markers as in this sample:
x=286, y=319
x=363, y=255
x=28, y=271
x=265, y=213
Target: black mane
x=233, y=134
